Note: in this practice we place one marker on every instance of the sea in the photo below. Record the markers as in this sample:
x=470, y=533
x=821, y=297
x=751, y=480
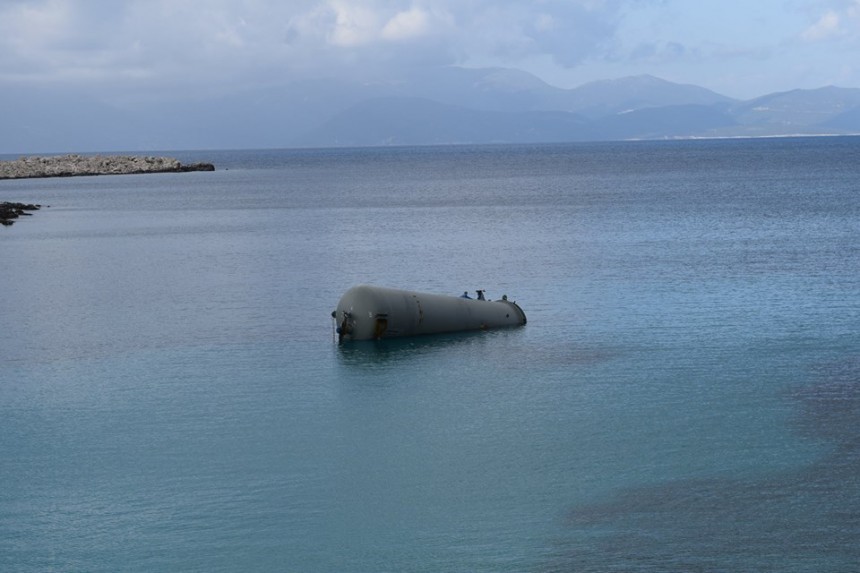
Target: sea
x=685, y=396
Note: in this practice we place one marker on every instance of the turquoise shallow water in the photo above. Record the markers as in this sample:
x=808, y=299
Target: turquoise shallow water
x=683, y=398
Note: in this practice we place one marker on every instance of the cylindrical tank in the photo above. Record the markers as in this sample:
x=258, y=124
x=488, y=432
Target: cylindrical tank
x=370, y=312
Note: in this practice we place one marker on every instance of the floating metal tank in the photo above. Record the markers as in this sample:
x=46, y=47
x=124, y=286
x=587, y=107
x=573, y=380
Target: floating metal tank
x=370, y=312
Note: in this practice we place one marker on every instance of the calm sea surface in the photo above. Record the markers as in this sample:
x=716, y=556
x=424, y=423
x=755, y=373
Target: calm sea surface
x=685, y=396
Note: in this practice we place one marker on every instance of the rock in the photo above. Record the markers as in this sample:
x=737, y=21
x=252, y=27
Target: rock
x=76, y=165
x=197, y=167
x=11, y=211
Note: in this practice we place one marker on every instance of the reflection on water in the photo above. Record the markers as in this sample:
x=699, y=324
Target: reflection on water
x=830, y=404
x=785, y=522
x=376, y=354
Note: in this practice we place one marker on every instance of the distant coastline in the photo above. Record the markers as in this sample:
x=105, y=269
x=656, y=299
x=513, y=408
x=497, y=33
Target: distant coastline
x=80, y=165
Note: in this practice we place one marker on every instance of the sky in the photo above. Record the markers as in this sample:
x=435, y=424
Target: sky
x=161, y=49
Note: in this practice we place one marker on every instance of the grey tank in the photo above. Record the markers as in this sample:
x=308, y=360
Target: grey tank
x=370, y=312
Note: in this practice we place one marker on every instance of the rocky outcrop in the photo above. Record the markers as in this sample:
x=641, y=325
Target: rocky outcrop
x=196, y=167
x=11, y=211
x=75, y=165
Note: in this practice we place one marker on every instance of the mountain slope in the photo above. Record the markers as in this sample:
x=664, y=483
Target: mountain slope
x=417, y=121
x=609, y=97
x=787, y=111
x=663, y=122
x=848, y=121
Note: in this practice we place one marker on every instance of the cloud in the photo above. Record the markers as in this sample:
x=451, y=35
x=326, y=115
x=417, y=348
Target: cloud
x=827, y=26
x=197, y=48
x=354, y=24
x=840, y=21
x=124, y=51
x=568, y=32
x=206, y=42
x=36, y=37
x=413, y=23
x=658, y=52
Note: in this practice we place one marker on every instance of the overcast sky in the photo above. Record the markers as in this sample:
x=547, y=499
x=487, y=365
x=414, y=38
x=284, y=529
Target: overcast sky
x=161, y=48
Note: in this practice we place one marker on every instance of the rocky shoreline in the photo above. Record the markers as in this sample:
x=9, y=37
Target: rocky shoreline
x=11, y=211
x=79, y=165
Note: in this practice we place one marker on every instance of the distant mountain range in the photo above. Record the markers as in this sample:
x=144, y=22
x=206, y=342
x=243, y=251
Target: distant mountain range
x=446, y=105
x=501, y=106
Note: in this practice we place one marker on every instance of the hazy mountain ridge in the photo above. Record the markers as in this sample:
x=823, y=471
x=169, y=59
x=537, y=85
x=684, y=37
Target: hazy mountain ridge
x=419, y=121
x=444, y=105
x=798, y=107
x=639, y=107
x=609, y=97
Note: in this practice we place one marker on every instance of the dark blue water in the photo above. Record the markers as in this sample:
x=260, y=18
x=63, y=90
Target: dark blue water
x=685, y=396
